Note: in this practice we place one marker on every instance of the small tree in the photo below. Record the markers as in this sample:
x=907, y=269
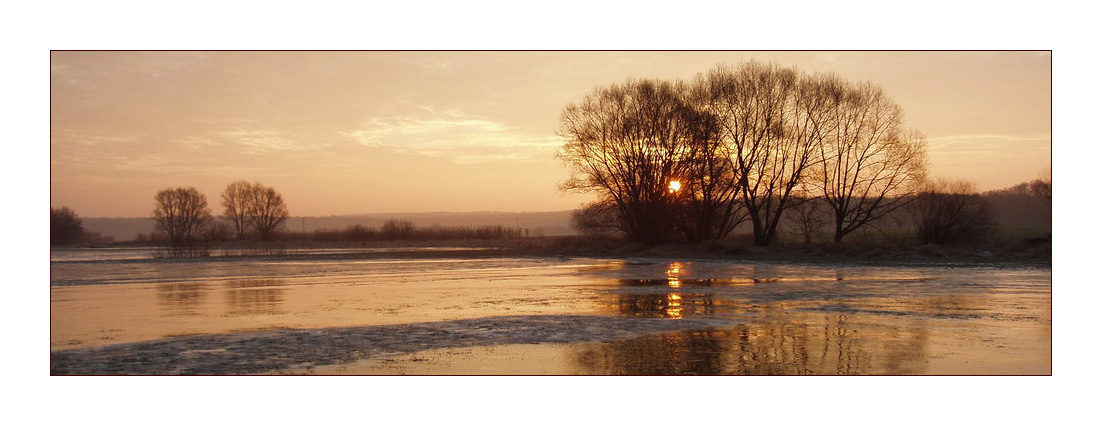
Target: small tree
x=181, y=214
x=807, y=217
x=950, y=211
x=65, y=226
x=267, y=211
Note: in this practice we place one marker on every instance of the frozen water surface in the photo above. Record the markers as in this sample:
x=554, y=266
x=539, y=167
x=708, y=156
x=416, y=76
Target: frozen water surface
x=466, y=312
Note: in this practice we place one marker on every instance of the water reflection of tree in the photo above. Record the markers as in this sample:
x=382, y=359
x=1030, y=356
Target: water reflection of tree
x=781, y=337
x=254, y=297
x=905, y=351
x=796, y=347
x=182, y=298
x=683, y=353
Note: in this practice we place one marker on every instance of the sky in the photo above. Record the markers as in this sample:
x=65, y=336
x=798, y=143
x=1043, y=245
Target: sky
x=347, y=132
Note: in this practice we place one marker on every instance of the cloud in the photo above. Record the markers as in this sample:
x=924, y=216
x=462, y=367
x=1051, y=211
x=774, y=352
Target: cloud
x=450, y=133
x=266, y=141
x=988, y=137
x=491, y=158
x=90, y=140
x=965, y=147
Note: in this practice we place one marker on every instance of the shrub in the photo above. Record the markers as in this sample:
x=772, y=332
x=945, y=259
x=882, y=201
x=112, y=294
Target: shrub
x=949, y=212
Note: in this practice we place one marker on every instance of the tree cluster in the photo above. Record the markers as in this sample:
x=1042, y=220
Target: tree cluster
x=404, y=230
x=1040, y=187
x=673, y=160
x=252, y=209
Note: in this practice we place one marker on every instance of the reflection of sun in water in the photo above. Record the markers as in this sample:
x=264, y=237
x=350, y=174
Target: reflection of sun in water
x=673, y=305
x=673, y=300
x=673, y=274
x=674, y=270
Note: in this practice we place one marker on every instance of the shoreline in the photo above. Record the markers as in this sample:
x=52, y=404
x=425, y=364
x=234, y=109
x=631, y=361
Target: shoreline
x=995, y=254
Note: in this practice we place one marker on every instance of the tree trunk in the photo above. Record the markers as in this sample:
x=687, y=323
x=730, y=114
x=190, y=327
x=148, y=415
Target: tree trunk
x=838, y=220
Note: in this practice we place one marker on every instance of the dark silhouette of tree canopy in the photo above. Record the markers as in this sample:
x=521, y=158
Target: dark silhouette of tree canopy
x=253, y=208
x=181, y=214
x=738, y=144
x=65, y=226
x=628, y=142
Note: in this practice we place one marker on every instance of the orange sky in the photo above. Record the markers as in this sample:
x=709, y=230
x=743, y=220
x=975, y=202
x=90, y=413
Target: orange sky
x=363, y=132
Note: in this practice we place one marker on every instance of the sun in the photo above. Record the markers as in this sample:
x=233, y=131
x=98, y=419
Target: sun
x=675, y=186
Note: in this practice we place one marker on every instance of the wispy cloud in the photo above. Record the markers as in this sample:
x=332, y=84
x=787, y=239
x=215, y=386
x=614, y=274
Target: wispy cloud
x=450, y=133
x=965, y=147
x=989, y=137
x=265, y=141
x=68, y=137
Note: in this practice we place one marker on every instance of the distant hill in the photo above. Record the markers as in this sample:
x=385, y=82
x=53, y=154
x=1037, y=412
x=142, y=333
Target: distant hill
x=538, y=223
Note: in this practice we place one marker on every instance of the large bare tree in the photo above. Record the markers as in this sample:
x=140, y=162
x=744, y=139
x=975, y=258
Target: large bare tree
x=869, y=165
x=769, y=118
x=181, y=213
x=628, y=143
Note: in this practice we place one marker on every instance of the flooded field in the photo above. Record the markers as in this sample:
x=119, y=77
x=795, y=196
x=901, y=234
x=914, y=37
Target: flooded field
x=460, y=312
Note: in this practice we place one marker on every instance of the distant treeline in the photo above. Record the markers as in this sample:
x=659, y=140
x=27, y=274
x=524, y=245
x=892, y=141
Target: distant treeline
x=404, y=230
x=391, y=230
